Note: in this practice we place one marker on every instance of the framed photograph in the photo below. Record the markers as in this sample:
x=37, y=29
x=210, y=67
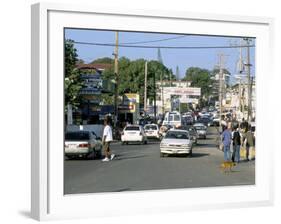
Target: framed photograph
x=148, y=111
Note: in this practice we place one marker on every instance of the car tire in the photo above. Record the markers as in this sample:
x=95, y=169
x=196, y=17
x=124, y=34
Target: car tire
x=98, y=155
x=190, y=154
x=92, y=155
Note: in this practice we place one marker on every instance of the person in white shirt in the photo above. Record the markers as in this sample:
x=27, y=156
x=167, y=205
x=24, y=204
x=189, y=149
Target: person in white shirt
x=106, y=139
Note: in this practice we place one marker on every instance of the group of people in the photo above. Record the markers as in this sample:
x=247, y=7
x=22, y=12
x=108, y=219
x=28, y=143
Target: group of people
x=236, y=135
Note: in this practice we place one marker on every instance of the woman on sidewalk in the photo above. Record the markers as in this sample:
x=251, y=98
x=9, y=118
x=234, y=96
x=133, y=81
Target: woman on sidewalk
x=236, y=138
x=226, y=139
x=250, y=144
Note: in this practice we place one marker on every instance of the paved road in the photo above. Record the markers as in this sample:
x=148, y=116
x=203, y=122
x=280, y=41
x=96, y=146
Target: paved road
x=140, y=167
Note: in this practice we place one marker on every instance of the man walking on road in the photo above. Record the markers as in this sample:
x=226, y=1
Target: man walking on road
x=106, y=139
x=226, y=139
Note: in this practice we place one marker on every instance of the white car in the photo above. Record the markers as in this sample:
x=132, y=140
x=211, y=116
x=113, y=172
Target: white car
x=152, y=131
x=133, y=133
x=176, y=141
x=82, y=144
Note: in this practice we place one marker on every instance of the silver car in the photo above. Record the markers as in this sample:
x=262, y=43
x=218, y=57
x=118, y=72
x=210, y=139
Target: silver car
x=176, y=141
x=82, y=144
x=201, y=130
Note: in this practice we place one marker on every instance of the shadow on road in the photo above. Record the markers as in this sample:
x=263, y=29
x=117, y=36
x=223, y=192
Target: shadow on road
x=194, y=155
x=128, y=157
x=211, y=145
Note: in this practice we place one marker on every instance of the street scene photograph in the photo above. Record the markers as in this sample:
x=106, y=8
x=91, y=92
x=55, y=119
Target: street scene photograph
x=157, y=111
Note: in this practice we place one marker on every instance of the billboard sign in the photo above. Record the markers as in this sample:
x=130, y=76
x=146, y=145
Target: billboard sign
x=190, y=91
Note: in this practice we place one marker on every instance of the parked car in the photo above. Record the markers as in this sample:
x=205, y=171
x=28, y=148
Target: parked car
x=201, y=130
x=133, y=133
x=152, y=131
x=176, y=142
x=84, y=144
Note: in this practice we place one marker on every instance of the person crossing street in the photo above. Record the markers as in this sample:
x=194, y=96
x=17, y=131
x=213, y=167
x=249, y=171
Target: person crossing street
x=106, y=139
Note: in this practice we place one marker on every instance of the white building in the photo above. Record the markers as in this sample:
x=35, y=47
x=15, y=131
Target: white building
x=181, y=90
x=237, y=98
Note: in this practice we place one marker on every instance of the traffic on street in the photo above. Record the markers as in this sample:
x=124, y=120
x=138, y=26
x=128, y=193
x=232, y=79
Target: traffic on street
x=157, y=111
x=141, y=167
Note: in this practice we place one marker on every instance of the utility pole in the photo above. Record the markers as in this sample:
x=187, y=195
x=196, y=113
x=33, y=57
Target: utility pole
x=221, y=62
x=154, y=95
x=239, y=94
x=116, y=79
x=243, y=100
x=145, y=88
x=248, y=65
x=162, y=94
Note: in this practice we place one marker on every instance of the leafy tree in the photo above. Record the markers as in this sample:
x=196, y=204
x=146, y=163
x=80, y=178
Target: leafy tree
x=80, y=61
x=72, y=81
x=225, y=71
x=131, y=76
x=105, y=60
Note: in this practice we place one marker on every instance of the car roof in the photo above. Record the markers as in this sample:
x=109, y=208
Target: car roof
x=177, y=130
x=198, y=124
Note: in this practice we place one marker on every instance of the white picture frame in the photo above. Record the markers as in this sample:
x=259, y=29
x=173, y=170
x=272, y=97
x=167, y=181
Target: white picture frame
x=48, y=201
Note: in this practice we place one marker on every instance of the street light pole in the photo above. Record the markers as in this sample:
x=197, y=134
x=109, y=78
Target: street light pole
x=145, y=88
x=162, y=94
x=116, y=79
x=154, y=84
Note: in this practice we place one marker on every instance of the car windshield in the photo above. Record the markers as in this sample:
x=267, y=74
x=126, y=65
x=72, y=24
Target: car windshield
x=77, y=136
x=150, y=127
x=177, y=135
x=132, y=128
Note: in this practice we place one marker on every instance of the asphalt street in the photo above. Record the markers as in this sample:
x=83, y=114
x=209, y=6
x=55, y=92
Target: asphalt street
x=140, y=167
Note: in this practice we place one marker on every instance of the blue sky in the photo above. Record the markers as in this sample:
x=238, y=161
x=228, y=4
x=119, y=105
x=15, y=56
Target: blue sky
x=183, y=58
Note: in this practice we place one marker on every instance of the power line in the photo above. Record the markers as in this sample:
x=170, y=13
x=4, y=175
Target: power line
x=163, y=47
x=153, y=41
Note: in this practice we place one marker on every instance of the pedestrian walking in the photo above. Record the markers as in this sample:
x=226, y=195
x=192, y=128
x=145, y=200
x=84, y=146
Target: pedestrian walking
x=226, y=139
x=236, y=139
x=106, y=140
x=249, y=143
x=244, y=124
